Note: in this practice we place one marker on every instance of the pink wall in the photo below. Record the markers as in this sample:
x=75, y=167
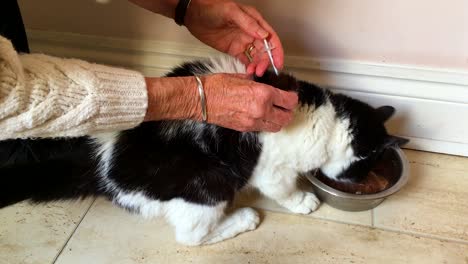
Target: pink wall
x=431, y=33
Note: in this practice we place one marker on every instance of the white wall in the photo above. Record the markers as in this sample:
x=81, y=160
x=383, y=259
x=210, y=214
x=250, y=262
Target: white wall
x=432, y=33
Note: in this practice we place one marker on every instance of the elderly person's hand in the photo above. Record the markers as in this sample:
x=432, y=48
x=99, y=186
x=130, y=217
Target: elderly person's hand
x=231, y=27
x=227, y=26
x=233, y=101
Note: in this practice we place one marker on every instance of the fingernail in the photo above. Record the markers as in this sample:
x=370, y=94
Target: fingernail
x=262, y=33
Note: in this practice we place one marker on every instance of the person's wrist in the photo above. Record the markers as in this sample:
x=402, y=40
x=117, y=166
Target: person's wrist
x=172, y=98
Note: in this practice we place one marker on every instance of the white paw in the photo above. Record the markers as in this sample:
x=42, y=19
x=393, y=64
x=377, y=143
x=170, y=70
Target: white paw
x=248, y=218
x=301, y=202
x=242, y=220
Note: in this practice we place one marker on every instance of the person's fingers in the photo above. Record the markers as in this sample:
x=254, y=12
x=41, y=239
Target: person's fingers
x=279, y=116
x=240, y=45
x=251, y=68
x=286, y=100
x=247, y=124
x=261, y=67
x=243, y=59
x=265, y=125
x=278, y=52
x=237, y=102
x=246, y=22
x=262, y=62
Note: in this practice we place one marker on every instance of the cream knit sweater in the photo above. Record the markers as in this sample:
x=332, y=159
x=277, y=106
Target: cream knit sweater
x=44, y=96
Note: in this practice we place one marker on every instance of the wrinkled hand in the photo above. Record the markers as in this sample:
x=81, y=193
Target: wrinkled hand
x=230, y=27
x=234, y=101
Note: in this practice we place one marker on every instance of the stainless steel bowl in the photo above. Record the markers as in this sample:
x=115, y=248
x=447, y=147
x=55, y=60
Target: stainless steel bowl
x=361, y=202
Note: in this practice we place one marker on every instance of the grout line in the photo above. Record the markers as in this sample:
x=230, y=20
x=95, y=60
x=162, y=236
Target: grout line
x=423, y=235
x=310, y=216
x=337, y=221
x=397, y=231
x=73, y=232
x=405, y=232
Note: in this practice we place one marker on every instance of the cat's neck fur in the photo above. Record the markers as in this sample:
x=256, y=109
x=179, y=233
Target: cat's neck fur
x=316, y=137
x=312, y=139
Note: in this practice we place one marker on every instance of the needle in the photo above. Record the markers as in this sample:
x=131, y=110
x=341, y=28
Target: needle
x=268, y=50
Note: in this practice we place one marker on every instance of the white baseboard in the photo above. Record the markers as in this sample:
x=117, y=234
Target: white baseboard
x=432, y=104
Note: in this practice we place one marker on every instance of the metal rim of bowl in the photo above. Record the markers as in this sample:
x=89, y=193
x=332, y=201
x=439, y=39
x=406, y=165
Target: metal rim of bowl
x=395, y=188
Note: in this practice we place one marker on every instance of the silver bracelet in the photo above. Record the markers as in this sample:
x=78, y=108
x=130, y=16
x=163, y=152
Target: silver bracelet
x=202, y=98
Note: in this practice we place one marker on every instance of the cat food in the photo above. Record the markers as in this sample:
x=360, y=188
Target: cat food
x=379, y=179
x=373, y=183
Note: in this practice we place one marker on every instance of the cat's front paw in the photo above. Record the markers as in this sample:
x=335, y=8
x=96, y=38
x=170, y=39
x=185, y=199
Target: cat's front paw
x=248, y=218
x=301, y=202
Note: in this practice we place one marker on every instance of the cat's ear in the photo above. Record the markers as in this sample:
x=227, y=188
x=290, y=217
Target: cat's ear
x=385, y=112
x=394, y=141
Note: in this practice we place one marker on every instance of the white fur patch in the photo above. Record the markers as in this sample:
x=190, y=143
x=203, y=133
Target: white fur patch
x=340, y=151
x=302, y=145
x=315, y=139
x=300, y=202
x=139, y=203
x=226, y=64
x=105, y=144
x=172, y=129
x=297, y=148
x=194, y=224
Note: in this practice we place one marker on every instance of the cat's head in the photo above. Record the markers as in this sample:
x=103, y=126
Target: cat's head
x=356, y=146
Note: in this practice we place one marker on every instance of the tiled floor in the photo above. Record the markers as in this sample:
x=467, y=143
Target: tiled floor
x=427, y=222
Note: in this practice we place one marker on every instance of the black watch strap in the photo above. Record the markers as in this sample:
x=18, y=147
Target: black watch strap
x=180, y=11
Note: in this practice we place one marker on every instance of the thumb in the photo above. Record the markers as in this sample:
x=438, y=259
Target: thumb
x=247, y=23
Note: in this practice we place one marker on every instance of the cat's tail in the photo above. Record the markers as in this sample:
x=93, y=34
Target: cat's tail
x=46, y=181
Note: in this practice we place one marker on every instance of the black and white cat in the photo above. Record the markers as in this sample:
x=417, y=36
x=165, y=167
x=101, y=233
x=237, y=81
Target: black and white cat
x=189, y=172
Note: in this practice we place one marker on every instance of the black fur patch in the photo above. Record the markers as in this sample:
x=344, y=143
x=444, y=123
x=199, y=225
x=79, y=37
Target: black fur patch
x=180, y=167
x=46, y=170
x=309, y=94
x=370, y=138
x=367, y=128
x=188, y=69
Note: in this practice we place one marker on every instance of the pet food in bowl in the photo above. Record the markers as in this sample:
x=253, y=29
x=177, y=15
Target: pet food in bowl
x=388, y=176
x=380, y=178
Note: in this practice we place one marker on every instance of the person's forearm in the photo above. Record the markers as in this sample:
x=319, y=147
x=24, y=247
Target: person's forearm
x=163, y=7
x=172, y=98
x=44, y=96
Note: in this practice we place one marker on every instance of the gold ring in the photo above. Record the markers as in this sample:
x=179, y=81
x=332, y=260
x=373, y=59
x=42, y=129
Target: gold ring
x=248, y=50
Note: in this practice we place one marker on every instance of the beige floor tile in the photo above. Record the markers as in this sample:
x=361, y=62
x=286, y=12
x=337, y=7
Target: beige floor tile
x=111, y=235
x=37, y=233
x=253, y=198
x=437, y=160
x=435, y=200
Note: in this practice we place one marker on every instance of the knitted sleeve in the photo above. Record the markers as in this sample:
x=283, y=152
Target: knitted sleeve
x=44, y=96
